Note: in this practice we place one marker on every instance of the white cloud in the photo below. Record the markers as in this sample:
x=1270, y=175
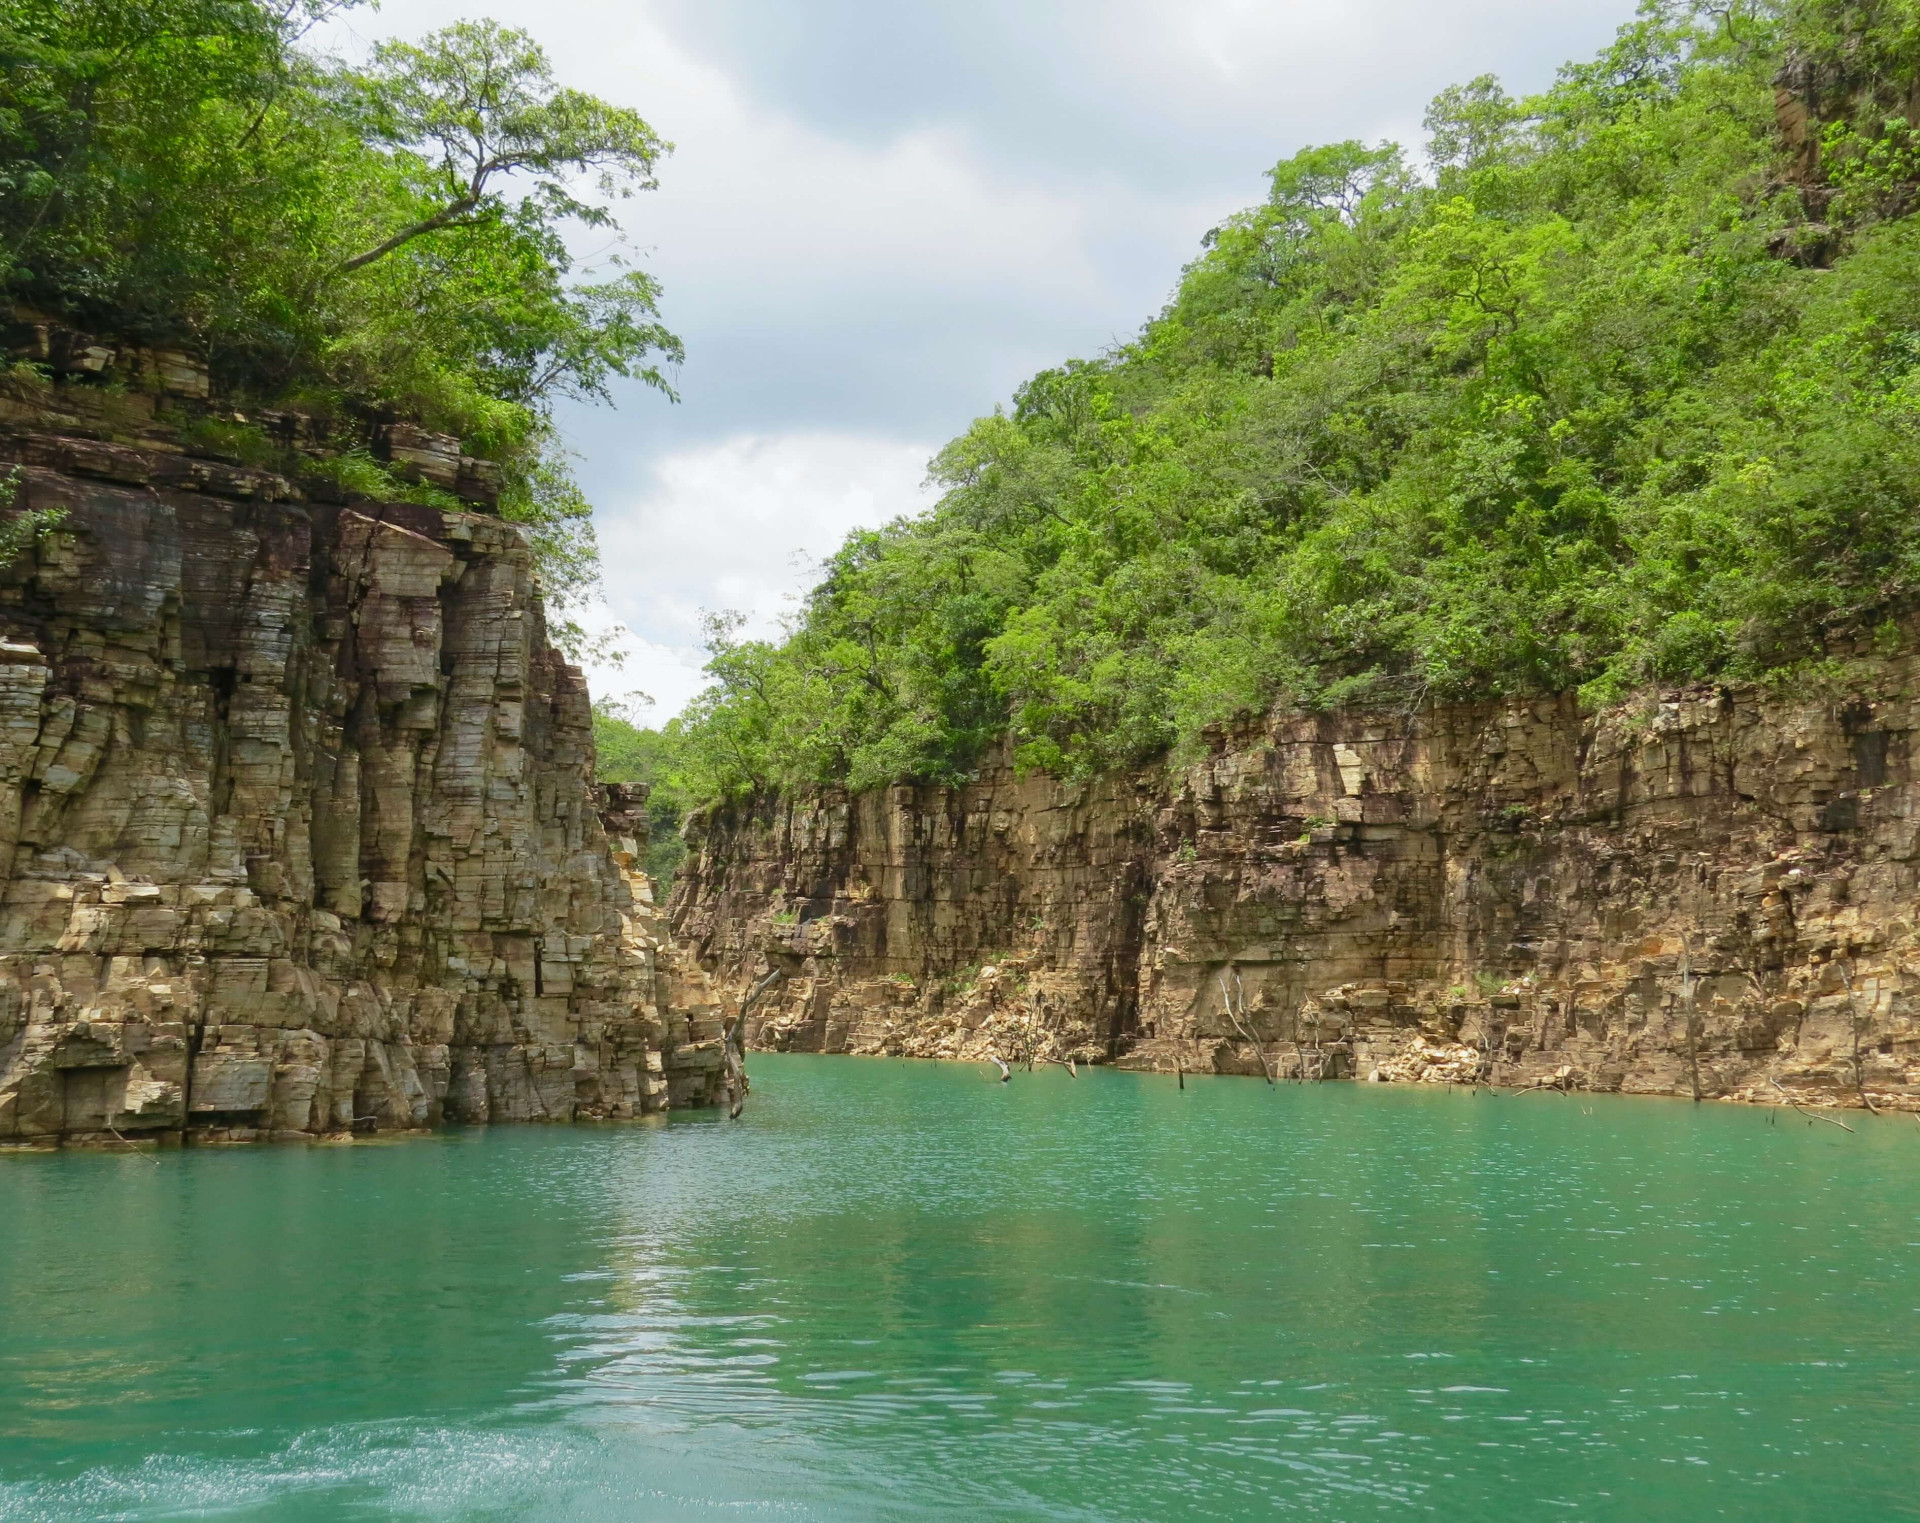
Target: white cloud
x=740, y=524
x=902, y=282
x=881, y=216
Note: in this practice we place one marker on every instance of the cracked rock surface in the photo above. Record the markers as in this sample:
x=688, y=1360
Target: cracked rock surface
x=1715, y=886
x=297, y=828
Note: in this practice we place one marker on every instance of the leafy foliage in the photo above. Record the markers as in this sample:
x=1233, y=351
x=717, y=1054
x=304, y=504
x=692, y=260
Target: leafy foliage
x=392, y=236
x=19, y=530
x=629, y=754
x=1618, y=389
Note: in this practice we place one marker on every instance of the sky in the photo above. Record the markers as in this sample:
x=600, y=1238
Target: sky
x=882, y=215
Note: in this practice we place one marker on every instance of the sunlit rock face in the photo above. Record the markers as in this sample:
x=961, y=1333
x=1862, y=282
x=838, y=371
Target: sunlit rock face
x=1711, y=887
x=297, y=828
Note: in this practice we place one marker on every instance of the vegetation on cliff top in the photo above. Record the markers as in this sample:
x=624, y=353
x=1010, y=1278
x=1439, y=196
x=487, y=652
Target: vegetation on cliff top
x=389, y=237
x=1620, y=385
x=627, y=753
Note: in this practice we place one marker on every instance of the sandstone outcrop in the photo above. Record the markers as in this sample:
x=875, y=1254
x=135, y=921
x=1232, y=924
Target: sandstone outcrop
x=298, y=834
x=1711, y=889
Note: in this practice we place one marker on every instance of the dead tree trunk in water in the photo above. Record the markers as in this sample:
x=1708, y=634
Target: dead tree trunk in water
x=735, y=1043
x=1258, y=1052
x=1689, y=992
x=1853, y=1024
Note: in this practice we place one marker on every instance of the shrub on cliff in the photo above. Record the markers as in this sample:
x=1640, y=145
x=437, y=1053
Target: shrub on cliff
x=387, y=236
x=1622, y=385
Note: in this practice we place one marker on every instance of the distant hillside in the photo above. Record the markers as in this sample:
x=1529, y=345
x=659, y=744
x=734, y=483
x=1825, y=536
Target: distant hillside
x=1612, y=385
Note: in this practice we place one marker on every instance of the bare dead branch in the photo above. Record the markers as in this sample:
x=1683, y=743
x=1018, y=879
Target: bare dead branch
x=1690, y=992
x=734, y=1043
x=1853, y=1024
x=1810, y=1115
x=1258, y=1051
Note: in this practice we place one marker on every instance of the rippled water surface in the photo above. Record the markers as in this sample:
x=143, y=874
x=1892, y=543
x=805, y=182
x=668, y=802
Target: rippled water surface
x=904, y=1291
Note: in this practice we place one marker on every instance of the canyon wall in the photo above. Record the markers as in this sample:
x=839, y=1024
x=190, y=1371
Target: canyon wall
x=298, y=834
x=1712, y=891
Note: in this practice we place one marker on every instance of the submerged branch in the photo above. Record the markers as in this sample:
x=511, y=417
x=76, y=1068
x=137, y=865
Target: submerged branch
x=1810, y=1115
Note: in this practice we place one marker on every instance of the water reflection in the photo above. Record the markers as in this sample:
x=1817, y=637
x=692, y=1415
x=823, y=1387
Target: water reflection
x=283, y=1288
x=903, y=1291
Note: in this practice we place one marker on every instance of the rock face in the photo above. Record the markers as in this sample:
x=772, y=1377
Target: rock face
x=1715, y=889
x=297, y=828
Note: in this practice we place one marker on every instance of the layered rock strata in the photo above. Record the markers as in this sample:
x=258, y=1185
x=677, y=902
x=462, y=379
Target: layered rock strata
x=297, y=828
x=1711, y=891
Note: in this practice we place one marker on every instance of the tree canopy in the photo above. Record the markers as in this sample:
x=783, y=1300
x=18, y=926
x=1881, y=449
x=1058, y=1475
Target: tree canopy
x=1615, y=385
x=390, y=236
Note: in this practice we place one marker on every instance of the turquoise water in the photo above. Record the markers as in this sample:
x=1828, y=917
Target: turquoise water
x=901, y=1291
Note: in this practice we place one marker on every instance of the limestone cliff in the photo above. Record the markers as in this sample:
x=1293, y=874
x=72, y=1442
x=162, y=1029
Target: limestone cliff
x=1715, y=887
x=297, y=827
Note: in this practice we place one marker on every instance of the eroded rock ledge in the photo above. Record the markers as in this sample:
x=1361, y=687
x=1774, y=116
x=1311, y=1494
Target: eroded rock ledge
x=1715, y=882
x=297, y=828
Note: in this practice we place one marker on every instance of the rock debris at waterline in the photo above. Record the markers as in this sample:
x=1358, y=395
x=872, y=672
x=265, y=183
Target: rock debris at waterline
x=1710, y=890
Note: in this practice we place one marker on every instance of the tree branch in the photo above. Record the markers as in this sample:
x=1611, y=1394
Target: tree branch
x=448, y=216
x=1810, y=1115
x=1258, y=1051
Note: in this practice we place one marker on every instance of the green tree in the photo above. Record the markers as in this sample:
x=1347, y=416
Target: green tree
x=358, y=239
x=20, y=530
x=627, y=752
x=1622, y=390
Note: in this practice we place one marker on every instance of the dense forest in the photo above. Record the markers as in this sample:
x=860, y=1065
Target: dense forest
x=383, y=239
x=1614, y=385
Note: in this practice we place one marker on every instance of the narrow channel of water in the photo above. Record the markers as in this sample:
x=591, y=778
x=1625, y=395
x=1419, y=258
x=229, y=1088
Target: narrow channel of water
x=904, y=1291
